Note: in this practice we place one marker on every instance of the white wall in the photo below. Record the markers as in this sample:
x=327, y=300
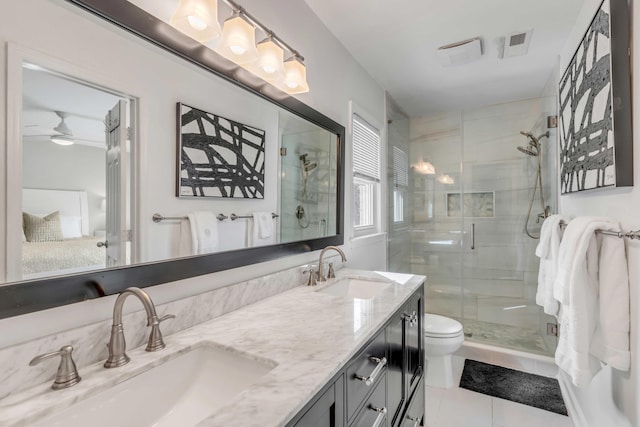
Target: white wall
x=622, y=204
x=82, y=41
x=73, y=167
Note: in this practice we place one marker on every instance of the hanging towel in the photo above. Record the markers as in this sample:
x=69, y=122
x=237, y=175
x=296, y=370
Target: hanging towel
x=264, y=222
x=547, y=250
x=593, y=283
x=185, y=244
x=260, y=229
x=204, y=232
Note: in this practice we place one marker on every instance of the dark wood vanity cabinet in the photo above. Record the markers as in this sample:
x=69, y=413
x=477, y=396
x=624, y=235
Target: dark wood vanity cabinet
x=406, y=359
x=382, y=384
x=326, y=410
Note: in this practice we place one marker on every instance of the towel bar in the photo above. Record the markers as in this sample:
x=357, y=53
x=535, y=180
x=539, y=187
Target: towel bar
x=633, y=235
x=221, y=217
x=157, y=217
x=234, y=216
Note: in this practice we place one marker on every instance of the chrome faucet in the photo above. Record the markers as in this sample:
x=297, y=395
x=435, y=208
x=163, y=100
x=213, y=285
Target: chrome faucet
x=117, y=346
x=321, y=277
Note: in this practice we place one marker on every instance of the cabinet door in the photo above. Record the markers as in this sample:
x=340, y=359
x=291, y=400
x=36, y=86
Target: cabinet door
x=396, y=394
x=414, y=342
x=328, y=410
x=414, y=416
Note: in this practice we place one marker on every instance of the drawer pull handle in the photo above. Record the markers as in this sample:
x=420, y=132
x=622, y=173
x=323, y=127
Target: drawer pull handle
x=411, y=318
x=416, y=420
x=382, y=414
x=381, y=362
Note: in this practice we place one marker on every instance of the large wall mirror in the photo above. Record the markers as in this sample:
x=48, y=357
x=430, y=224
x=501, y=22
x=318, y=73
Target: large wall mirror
x=107, y=171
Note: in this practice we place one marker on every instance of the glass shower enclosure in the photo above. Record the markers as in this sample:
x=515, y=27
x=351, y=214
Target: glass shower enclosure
x=468, y=196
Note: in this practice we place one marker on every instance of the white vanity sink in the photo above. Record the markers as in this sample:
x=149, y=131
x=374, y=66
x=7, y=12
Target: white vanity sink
x=180, y=392
x=357, y=288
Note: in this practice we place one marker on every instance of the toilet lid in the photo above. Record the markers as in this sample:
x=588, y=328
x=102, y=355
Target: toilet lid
x=440, y=326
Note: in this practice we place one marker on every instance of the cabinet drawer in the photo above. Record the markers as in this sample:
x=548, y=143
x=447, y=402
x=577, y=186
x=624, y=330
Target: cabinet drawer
x=374, y=411
x=365, y=371
x=414, y=415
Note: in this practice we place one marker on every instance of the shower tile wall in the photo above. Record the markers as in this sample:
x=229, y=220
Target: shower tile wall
x=320, y=199
x=475, y=151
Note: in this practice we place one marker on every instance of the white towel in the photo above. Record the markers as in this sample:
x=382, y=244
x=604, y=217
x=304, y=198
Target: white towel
x=264, y=222
x=594, y=313
x=547, y=250
x=258, y=227
x=185, y=243
x=204, y=232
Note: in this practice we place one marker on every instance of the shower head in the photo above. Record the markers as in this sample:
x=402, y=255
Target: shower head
x=533, y=148
x=307, y=166
x=529, y=150
x=532, y=139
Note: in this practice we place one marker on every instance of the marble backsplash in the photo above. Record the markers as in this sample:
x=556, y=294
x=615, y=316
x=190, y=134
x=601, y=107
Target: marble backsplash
x=89, y=342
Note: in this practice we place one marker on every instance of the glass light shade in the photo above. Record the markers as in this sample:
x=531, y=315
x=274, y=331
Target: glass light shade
x=295, y=76
x=198, y=19
x=238, y=42
x=270, y=64
x=62, y=139
x=427, y=168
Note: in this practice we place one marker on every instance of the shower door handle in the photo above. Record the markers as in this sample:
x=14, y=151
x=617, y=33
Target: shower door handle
x=473, y=236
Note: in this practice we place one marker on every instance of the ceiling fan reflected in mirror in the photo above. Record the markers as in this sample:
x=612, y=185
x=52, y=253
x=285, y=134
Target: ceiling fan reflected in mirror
x=65, y=136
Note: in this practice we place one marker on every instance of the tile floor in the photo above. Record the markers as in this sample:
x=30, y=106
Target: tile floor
x=457, y=407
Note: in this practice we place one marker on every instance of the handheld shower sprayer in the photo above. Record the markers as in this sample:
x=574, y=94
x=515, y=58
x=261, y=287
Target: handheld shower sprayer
x=534, y=149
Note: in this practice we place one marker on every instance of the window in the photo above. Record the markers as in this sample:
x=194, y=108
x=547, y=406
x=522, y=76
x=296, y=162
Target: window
x=400, y=182
x=366, y=176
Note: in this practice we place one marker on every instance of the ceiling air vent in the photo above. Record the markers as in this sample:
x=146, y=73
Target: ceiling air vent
x=516, y=44
x=461, y=52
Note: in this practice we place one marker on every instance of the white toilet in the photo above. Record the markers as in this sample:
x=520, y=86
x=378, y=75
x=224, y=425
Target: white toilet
x=442, y=337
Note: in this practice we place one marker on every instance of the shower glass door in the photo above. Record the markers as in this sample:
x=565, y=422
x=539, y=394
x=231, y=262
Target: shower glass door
x=471, y=189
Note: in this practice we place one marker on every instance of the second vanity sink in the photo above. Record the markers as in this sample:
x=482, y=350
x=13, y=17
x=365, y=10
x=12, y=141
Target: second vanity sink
x=357, y=288
x=180, y=392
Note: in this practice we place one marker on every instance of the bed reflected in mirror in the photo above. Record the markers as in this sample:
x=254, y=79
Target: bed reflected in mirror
x=75, y=205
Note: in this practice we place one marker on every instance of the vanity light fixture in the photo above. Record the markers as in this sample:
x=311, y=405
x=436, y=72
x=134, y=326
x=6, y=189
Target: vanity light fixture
x=237, y=43
x=295, y=75
x=198, y=19
x=270, y=64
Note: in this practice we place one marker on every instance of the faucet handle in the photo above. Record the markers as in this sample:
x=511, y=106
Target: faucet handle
x=67, y=374
x=331, y=274
x=156, y=342
x=312, y=275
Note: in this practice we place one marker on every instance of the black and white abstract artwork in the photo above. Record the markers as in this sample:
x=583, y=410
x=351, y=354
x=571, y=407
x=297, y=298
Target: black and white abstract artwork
x=219, y=157
x=587, y=139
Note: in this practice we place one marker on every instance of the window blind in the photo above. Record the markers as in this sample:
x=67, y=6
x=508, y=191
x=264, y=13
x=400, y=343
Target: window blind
x=366, y=149
x=400, y=167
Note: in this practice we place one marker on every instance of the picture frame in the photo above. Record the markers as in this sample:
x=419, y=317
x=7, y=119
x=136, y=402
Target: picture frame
x=218, y=157
x=596, y=144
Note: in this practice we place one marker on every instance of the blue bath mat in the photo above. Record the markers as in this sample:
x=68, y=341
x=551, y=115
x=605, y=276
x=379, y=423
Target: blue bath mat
x=521, y=387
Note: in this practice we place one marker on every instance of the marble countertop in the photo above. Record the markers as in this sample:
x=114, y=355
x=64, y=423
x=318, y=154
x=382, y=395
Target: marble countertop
x=305, y=334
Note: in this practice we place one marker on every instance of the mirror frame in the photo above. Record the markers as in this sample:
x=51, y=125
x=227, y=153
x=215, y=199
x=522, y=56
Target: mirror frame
x=18, y=298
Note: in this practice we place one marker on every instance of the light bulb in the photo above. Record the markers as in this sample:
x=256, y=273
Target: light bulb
x=238, y=50
x=196, y=23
